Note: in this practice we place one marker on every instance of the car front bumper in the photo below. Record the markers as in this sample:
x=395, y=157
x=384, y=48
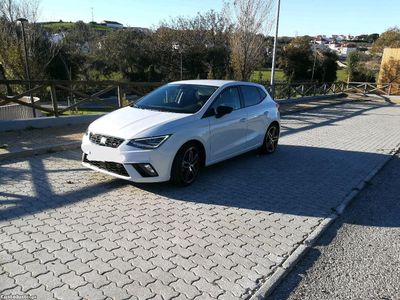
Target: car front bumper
x=122, y=162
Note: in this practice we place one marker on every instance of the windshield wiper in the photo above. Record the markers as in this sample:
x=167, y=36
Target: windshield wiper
x=135, y=105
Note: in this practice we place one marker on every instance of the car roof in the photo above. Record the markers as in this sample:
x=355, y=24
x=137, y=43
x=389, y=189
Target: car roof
x=210, y=82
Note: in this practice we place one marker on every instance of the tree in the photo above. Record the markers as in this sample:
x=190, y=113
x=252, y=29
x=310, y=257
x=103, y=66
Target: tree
x=353, y=60
x=296, y=59
x=203, y=42
x=326, y=67
x=390, y=38
x=251, y=21
x=372, y=37
x=41, y=51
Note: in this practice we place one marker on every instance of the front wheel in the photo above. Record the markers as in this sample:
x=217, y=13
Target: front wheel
x=186, y=165
x=270, y=140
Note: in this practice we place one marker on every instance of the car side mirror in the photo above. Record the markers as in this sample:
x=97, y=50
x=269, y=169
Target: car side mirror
x=223, y=110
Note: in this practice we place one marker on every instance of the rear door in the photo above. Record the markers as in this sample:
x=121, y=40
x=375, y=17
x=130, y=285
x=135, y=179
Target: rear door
x=257, y=115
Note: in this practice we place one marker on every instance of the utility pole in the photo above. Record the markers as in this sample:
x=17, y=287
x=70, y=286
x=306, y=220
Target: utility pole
x=181, y=65
x=28, y=71
x=315, y=59
x=275, y=47
x=92, y=15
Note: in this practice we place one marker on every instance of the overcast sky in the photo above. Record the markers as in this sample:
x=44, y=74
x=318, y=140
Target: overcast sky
x=301, y=17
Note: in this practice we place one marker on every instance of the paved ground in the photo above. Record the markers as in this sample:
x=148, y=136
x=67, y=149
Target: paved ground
x=358, y=256
x=15, y=141
x=70, y=233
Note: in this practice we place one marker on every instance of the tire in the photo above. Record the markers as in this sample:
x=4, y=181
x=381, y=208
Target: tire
x=270, y=140
x=186, y=165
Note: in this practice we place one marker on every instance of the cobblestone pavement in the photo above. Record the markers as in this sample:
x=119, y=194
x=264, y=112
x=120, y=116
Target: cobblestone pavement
x=70, y=233
x=36, y=137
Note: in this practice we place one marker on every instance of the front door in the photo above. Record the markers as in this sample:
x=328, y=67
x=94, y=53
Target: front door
x=227, y=133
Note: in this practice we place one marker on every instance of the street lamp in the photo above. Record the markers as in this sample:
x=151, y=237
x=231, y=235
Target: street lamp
x=274, y=56
x=178, y=47
x=28, y=71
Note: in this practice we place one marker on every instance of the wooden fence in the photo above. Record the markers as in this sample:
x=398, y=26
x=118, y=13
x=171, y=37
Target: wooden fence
x=85, y=91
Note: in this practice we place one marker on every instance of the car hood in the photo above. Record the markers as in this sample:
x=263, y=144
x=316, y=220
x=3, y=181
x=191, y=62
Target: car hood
x=130, y=122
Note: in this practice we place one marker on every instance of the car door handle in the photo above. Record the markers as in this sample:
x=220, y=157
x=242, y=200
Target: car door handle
x=266, y=112
x=243, y=120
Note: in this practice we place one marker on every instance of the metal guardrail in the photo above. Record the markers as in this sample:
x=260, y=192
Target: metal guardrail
x=92, y=90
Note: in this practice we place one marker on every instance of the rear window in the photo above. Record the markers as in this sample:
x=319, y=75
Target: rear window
x=262, y=93
x=251, y=96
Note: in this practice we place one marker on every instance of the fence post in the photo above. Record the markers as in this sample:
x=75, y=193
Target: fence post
x=54, y=99
x=390, y=89
x=365, y=89
x=120, y=97
x=289, y=87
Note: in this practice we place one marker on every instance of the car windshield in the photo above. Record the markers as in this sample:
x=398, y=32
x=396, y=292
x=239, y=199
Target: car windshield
x=180, y=98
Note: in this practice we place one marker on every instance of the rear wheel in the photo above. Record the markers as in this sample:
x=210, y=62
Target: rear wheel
x=186, y=165
x=270, y=140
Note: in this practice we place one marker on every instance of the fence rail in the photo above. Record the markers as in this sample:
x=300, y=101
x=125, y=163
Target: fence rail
x=84, y=91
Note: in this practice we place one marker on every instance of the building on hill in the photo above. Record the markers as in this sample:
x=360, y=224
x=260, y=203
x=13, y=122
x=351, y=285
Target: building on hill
x=112, y=24
x=346, y=48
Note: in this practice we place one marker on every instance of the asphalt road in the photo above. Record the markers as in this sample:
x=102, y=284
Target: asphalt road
x=358, y=257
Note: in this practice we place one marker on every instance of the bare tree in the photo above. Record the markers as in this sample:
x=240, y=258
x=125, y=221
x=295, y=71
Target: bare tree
x=41, y=50
x=11, y=10
x=251, y=21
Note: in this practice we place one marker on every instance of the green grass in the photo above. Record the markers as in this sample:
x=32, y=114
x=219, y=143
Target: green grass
x=86, y=111
x=56, y=26
x=266, y=75
x=341, y=75
x=279, y=76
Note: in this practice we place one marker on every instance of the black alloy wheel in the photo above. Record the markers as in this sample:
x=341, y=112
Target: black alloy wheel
x=186, y=165
x=271, y=140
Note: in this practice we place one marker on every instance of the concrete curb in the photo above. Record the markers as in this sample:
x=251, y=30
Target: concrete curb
x=40, y=150
x=23, y=124
x=280, y=273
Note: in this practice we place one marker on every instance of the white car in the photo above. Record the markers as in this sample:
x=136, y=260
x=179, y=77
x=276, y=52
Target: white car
x=178, y=128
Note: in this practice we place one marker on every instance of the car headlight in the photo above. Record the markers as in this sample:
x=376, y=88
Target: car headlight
x=150, y=142
x=87, y=131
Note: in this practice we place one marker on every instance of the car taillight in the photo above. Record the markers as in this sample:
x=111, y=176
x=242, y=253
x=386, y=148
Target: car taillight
x=278, y=107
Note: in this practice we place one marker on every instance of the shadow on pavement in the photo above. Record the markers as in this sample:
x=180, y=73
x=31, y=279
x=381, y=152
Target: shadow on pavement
x=296, y=180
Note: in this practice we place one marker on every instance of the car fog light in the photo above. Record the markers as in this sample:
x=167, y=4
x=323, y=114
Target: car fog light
x=149, y=168
x=145, y=170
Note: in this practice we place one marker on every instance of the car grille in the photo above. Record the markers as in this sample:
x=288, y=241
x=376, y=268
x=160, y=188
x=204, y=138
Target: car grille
x=110, y=141
x=109, y=166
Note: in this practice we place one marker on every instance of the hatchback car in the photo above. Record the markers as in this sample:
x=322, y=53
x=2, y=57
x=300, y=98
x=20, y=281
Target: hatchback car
x=178, y=128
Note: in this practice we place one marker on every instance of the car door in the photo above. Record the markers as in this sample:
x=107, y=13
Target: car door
x=227, y=133
x=257, y=115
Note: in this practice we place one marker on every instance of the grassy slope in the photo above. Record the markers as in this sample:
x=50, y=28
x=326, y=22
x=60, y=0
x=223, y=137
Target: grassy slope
x=55, y=26
x=279, y=76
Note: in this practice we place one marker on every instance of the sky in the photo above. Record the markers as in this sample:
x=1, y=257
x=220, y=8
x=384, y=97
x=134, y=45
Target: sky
x=297, y=17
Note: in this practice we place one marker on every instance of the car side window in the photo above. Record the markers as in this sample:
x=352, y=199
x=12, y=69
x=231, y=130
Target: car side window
x=251, y=96
x=262, y=93
x=229, y=97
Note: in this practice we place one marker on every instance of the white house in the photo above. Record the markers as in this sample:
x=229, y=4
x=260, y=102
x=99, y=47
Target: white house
x=347, y=48
x=334, y=46
x=112, y=24
x=321, y=41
